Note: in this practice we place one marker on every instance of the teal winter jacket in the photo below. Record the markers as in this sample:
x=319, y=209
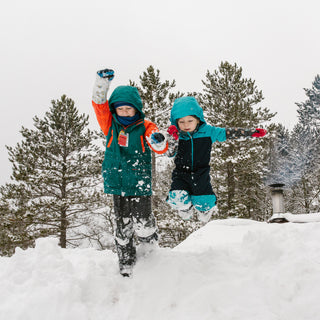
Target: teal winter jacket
x=126, y=170
x=194, y=148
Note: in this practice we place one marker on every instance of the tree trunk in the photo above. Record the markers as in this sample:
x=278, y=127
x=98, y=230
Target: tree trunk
x=306, y=196
x=230, y=181
x=231, y=186
x=63, y=230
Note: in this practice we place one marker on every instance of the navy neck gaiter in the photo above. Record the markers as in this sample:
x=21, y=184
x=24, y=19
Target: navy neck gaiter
x=126, y=121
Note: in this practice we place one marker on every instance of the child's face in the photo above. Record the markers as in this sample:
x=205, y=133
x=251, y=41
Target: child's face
x=188, y=123
x=125, y=111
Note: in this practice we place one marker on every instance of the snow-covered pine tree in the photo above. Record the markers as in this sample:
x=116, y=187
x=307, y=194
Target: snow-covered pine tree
x=309, y=111
x=16, y=228
x=158, y=98
x=309, y=121
x=229, y=100
x=57, y=168
x=304, y=193
x=305, y=153
x=280, y=168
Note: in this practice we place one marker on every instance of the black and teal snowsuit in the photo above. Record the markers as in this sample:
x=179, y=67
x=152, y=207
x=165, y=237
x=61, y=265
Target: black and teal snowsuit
x=191, y=177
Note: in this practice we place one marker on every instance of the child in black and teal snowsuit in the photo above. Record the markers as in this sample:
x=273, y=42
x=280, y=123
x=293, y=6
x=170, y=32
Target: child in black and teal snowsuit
x=191, y=187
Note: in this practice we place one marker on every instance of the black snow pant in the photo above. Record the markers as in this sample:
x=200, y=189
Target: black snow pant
x=133, y=217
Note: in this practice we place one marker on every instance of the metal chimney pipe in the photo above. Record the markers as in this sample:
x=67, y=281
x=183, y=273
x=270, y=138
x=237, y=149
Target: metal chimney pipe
x=279, y=214
x=277, y=203
x=277, y=197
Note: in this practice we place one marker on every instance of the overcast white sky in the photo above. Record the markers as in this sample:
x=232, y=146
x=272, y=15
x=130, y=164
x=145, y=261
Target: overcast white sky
x=50, y=48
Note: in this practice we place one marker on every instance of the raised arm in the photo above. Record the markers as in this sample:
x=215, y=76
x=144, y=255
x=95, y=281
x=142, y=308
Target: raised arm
x=237, y=133
x=99, y=99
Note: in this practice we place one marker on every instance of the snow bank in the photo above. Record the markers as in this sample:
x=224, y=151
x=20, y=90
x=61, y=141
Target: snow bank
x=229, y=269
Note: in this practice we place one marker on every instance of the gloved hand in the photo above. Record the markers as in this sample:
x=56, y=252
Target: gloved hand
x=157, y=137
x=106, y=73
x=101, y=85
x=259, y=133
x=173, y=131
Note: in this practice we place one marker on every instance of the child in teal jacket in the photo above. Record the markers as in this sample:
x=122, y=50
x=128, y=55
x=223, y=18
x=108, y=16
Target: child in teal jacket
x=191, y=187
x=126, y=168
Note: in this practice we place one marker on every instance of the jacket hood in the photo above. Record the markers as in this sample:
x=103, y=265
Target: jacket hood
x=186, y=106
x=128, y=94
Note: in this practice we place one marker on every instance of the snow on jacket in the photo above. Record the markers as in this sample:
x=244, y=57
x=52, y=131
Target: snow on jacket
x=194, y=148
x=126, y=170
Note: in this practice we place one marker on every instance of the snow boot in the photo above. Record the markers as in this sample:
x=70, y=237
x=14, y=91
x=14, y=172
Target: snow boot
x=186, y=214
x=126, y=270
x=127, y=257
x=205, y=216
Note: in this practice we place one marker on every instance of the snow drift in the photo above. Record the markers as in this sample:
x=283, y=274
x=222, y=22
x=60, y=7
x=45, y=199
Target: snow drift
x=229, y=269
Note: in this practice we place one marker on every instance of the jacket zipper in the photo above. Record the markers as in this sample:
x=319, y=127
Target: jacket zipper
x=191, y=150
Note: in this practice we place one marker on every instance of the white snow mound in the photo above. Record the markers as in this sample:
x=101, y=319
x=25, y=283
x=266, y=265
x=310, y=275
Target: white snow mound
x=229, y=269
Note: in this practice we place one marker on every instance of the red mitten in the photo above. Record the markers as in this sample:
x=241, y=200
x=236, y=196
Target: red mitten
x=259, y=133
x=173, y=131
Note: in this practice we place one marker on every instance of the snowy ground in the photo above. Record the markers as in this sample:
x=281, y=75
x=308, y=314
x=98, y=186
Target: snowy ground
x=229, y=269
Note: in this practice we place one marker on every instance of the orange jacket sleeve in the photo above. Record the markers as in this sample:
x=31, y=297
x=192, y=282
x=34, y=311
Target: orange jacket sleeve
x=104, y=116
x=151, y=128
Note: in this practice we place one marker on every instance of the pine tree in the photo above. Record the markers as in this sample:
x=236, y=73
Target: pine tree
x=56, y=169
x=303, y=180
x=158, y=98
x=309, y=123
x=229, y=100
x=305, y=153
x=280, y=168
x=157, y=101
x=16, y=228
x=309, y=111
